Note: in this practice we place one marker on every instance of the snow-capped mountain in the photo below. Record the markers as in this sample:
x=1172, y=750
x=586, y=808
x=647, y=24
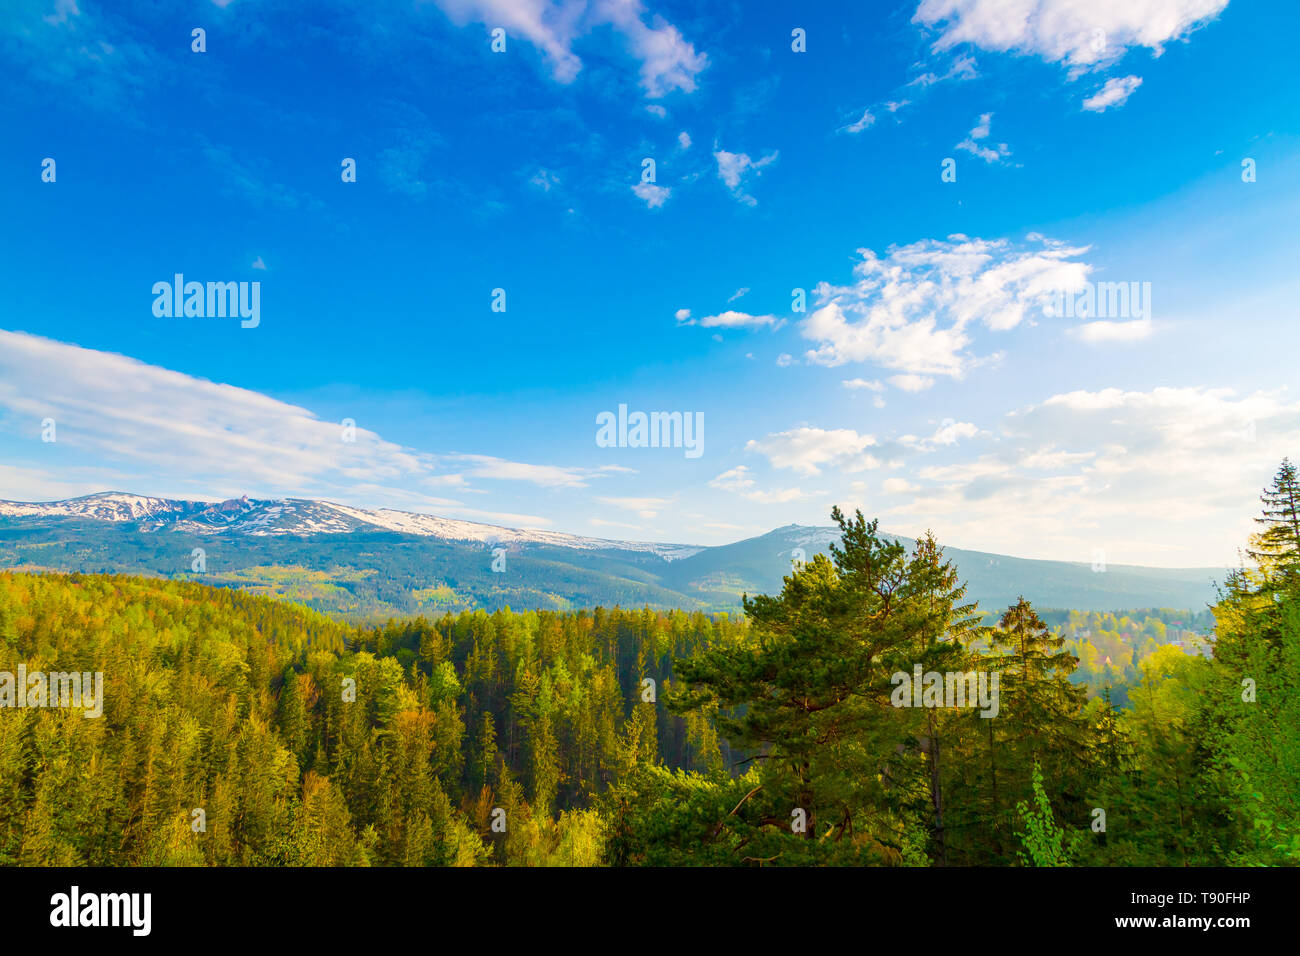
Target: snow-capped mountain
x=264, y=542
x=301, y=516
x=110, y=506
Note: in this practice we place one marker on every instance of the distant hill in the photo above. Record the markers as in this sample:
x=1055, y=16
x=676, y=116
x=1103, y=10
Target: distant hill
x=366, y=564
x=996, y=580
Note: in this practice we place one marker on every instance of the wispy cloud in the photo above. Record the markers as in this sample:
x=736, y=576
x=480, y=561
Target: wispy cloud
x=251, y=181
x=157, y=419
x=80, y=53
x=738, y=481
x=735, y=169
x=545, y=476
x=1133, y=330
x=1115, y=92
x=908, y=382
x=730, y=319
x=668, y=61
x=807, y=450
x=962, y=68
x=975, y=141
x=545, y=180
x=159, y=425
x=855, y=383
x=646, y=508
x=862, y=122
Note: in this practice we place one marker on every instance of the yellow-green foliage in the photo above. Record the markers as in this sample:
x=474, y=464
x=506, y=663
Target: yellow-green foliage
x=237, y=729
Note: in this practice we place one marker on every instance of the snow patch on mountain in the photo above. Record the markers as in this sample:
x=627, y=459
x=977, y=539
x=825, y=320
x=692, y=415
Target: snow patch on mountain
x=300, y=516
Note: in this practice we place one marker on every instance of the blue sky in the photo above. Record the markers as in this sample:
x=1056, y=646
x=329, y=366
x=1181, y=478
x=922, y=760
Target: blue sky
x=923, y=383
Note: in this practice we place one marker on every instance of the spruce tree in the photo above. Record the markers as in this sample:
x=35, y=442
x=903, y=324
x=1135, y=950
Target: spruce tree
x=1277, y=547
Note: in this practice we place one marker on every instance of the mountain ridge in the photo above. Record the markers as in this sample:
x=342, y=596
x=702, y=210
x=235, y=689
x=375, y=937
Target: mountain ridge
x=257, y=516
x=361, y=562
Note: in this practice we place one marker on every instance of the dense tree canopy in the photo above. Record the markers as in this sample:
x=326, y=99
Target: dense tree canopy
x=866, y=714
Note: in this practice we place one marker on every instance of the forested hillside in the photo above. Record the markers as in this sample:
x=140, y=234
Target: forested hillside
x=369, y=576
x=241, y=730
x=234, y=704
x=1112, y=646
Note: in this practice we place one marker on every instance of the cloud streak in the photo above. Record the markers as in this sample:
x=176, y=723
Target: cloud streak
x=163, y=425
x=668, y=61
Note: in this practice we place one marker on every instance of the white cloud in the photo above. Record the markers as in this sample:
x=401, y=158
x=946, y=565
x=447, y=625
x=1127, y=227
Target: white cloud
x=646, y=508
x=807, y=450
x=550, y=25
x=603, y=523
x=735, y=168
x=88, y=54
x=897, y=486
x=730, y=319
x=962, y=68
x=734, y=479
x=779, y=496
x=654, y=196
x=684, y=139
x=863, y=122
x=739, y=293
x=411, y=501
x=668, y=61
x=1081, y=34
x=24, y=483
x=203, y=438
x=908, y=382
x=545, y=180
x=636, y=504
x=726, y=526
x=63, y=9
x=738, y=481
x=950, y=432
x=1095, y=333
x=737, y=320
x=913, y=310
x=856, y=383
x=165, y=421
x=1167, y=476
x=973, y=143
x=546, y=476
x=1115, y=92
x=868, y=117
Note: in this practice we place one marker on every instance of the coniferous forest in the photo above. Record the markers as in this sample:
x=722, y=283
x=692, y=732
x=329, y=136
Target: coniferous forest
x=237, y=730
